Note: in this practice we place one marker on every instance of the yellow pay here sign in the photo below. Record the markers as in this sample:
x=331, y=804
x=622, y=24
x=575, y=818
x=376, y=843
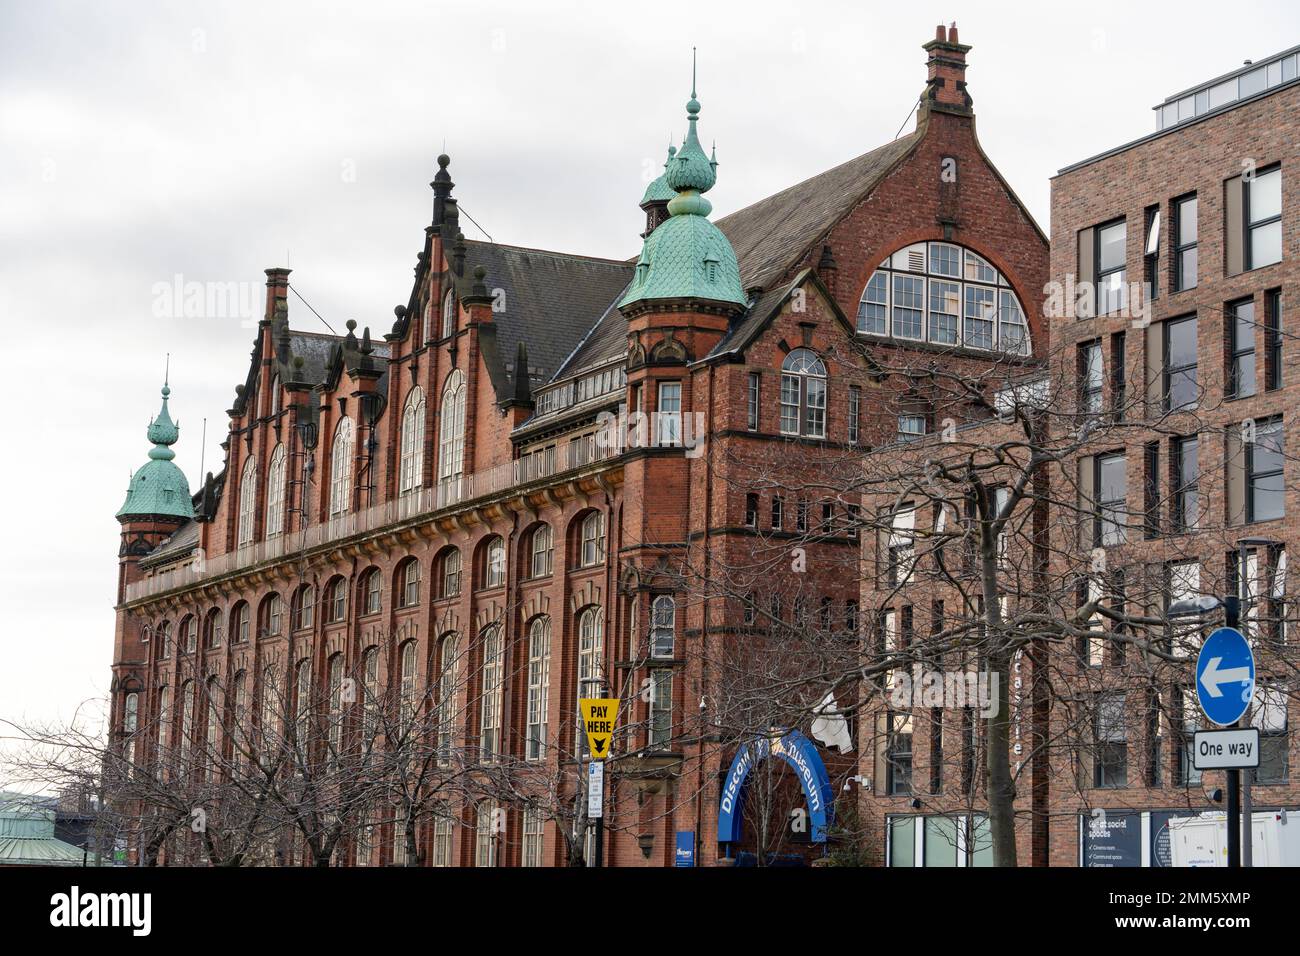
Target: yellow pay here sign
x=598, y=715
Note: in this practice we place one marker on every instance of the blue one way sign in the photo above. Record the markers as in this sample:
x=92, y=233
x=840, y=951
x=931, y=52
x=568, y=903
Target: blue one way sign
x=1225, y=676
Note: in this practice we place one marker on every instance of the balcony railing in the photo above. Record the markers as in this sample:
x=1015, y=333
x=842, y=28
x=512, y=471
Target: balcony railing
x=447, y=493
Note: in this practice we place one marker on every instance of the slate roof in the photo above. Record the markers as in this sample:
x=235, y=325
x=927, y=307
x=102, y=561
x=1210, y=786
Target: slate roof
x=774, y=232
x=552, y=299
x=767, y=236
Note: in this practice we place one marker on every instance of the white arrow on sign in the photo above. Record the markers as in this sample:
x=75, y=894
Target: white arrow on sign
x=1212, y=677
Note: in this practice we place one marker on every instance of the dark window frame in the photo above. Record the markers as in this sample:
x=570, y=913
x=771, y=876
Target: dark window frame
x=1236, y=351
x=1180, y=278
x=1247, y=224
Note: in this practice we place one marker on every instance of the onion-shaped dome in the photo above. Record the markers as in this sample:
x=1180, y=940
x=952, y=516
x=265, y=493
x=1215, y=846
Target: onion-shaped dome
x=159, y=487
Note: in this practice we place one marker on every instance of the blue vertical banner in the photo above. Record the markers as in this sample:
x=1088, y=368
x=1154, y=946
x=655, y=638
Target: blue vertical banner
x=685, y=853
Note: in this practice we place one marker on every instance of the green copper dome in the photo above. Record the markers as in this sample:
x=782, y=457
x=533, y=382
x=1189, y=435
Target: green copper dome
x=659, y=190
x=687, y=257
x=159, y=487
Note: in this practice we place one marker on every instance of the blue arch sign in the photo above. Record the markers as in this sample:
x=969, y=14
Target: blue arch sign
x=1225, y=676
x=801, y=754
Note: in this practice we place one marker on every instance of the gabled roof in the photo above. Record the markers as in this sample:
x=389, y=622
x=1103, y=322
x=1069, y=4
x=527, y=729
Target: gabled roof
x=768, y=237
x=551, y=300
x=776, y=232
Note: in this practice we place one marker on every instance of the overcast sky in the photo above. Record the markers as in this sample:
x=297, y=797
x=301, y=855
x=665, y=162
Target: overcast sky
x=141, y=141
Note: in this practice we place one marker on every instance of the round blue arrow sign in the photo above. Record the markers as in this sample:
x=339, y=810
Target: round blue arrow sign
x=1225, y=676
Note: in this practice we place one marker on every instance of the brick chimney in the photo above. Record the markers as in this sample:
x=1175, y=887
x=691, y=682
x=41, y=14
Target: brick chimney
x=945, y=85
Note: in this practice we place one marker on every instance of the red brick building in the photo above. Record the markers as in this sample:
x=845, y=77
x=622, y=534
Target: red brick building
x=442, y=517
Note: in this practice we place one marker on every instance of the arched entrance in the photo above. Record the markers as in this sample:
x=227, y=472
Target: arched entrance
x=797, y=751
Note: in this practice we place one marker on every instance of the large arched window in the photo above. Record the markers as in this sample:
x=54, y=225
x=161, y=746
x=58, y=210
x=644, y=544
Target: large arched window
x=370, y=692
x=451, y=429
x=247, y=501
x=272, y=706
x=187, y=719
x=409, y=702
x=448, y=667
x=411, y=466
x=335, y=687
x=341, y=468
x=130, y=724
x=302, y=703
x=946, y=294
x=275, y=489
x=539, y=682
x=803, y=394
x=591, y=650
x=239, y=721
x=493, y=680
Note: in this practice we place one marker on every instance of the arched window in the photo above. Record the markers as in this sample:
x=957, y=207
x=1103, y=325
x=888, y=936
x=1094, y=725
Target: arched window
x=803, y=394
x=190, y=628
x=370, y=690
x=541, y=552
x=663, y=626
x=212, y=630
x=591, y=651
x=592, y=547
x=448, y=666
x=485, y=837
x=494, y=563
x=493, y=678
x=306, y=609
x=164, y=640
x=211, y=724
x=272, y=706
x=449, y=313
x=247, y=501
x=335, y=677
x=164, y=718
x=946, y=294
x=338, y=598
x=374, y=591
x=407, y=683
x=275, y=489
x=451, y=429
x=408, y=583
x=239, y=624
x=130, y=723
x=187, y=719
x=442, y=824
x=274, y=615
x=451, y=573
x=539, y=682
x=302, y=694
x=275, y=394
x=411, y=466
x=238, y=721
x=426, y=324
x=341, y=468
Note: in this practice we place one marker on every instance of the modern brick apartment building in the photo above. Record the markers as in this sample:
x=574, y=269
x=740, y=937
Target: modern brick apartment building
x=1161, y=407
x=437, y=517
x=1189, y=235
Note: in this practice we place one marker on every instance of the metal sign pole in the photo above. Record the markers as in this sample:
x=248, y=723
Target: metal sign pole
x=1232, y=618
